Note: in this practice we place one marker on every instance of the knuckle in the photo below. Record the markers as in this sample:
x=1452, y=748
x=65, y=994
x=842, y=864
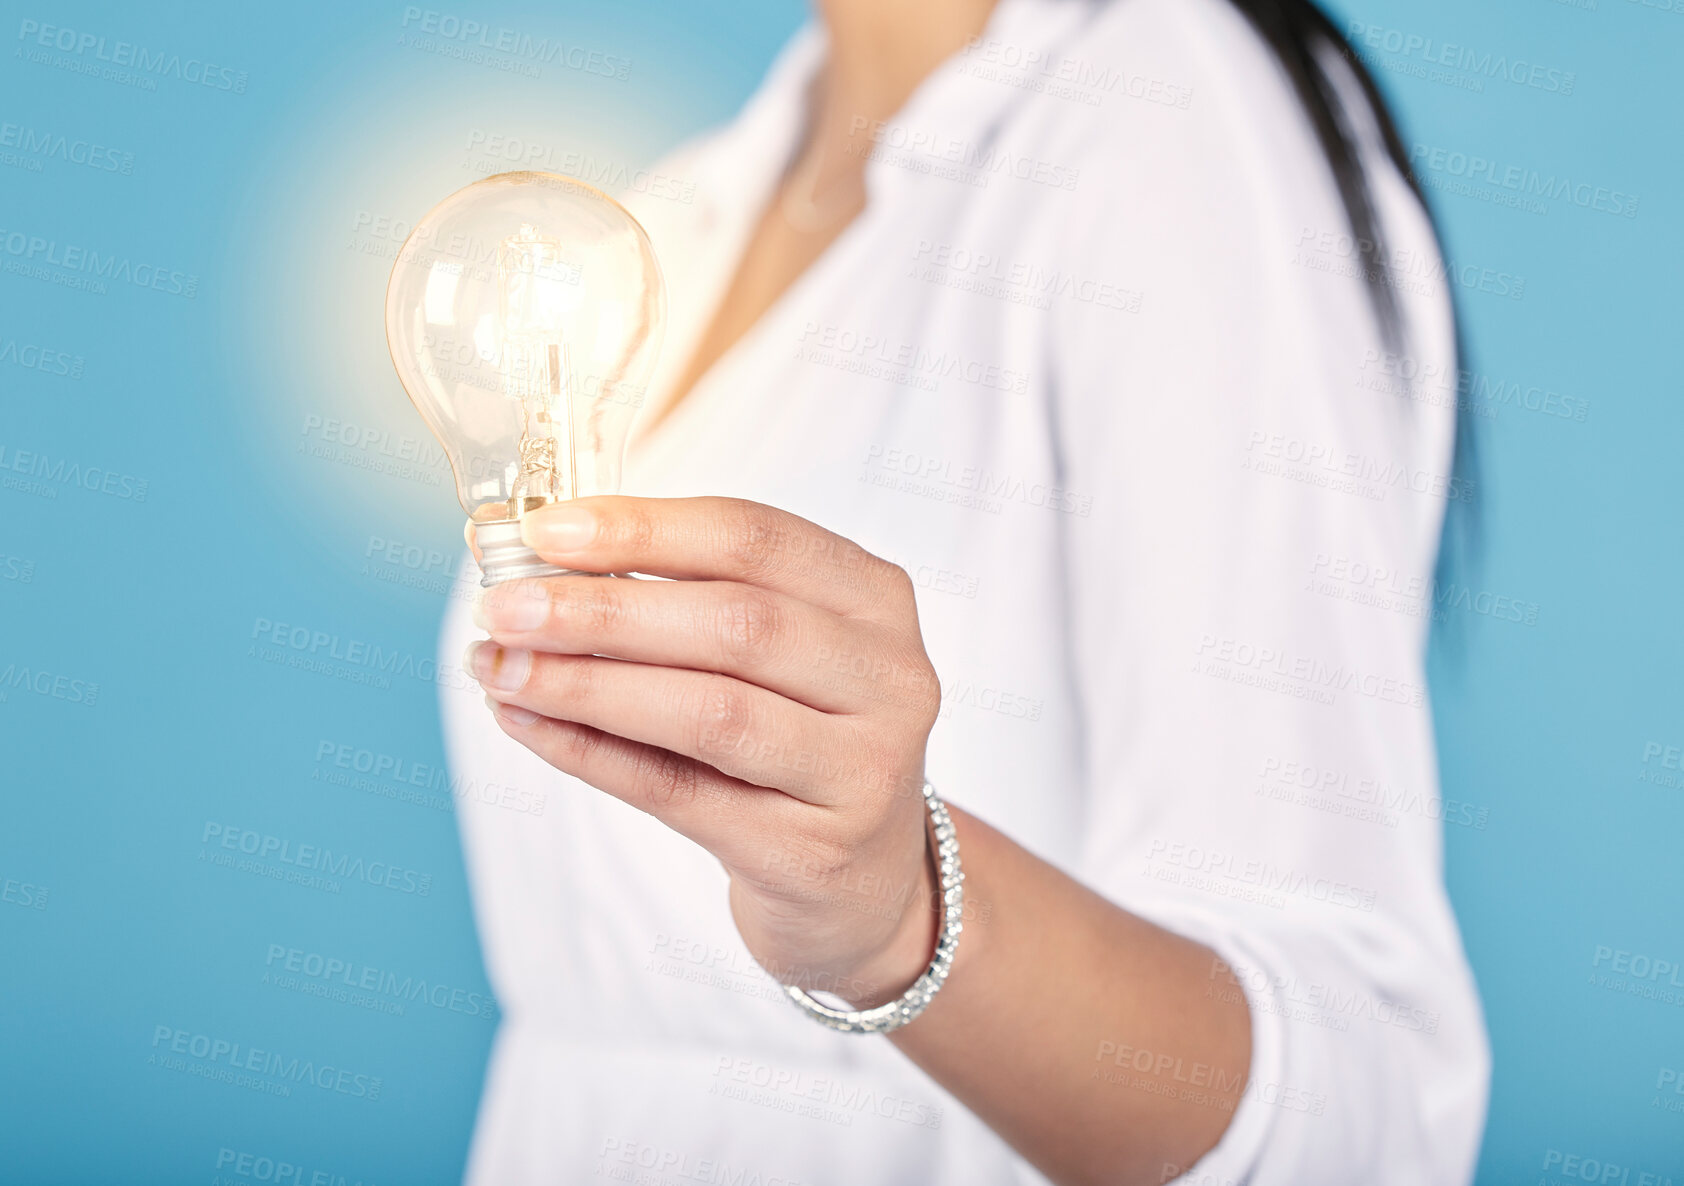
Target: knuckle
x=723, y=719
x=575, y=745
x=571, y=678
x=631, y=530
x=904, y=682
x=750, y=623
x=752, y=538
x=898, y=583
x=926, y=698
x=667, y=779
x=889, y=589
x=597, y=606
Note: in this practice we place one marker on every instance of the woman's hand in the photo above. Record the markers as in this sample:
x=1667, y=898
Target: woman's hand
x=771, y=703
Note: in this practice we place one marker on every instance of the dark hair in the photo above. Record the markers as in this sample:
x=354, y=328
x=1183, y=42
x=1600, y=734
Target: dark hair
x=1303, y=38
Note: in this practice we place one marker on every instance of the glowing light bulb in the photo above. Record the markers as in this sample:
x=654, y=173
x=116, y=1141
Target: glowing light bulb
x=524, y=315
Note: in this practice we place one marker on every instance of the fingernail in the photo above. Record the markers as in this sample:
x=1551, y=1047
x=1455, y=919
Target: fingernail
x=512, y=713
x=561, y=528
x=513, y=608
x=502, y=668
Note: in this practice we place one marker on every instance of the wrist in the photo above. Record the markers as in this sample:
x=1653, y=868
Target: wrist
x=906, y=955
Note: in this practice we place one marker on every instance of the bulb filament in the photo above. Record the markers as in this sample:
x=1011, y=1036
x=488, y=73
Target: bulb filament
x=535, y=372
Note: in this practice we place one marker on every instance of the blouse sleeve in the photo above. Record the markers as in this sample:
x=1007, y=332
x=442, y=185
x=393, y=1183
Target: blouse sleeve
x=1249, y=597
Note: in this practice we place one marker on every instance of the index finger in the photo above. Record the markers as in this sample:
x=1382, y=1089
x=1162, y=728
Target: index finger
x=714, y=539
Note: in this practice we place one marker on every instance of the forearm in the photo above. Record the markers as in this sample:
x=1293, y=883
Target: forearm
x=1049, y=982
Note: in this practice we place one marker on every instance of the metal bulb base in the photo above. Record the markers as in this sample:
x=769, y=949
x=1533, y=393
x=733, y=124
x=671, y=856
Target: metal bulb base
x=504, y=556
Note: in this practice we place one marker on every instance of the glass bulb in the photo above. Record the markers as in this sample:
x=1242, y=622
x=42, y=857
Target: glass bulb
x=524, y=315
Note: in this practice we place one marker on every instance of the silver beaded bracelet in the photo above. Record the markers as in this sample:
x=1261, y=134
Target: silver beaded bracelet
x=916, y=999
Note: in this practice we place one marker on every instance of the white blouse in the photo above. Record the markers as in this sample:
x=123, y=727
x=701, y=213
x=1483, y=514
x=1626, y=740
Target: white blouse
x=1096, y=366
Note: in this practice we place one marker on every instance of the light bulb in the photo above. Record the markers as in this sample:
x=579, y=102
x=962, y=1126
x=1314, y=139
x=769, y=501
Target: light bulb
x=524, y=315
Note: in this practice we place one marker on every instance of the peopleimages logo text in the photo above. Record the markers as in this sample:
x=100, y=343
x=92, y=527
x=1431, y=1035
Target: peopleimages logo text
x=89, y=261
x=1520, y=179
x=236, y=1056
x=352, y=974
x=36, y=142
x=127, y=54
x=1483, y=63
x=541, y=50
x=315, y=859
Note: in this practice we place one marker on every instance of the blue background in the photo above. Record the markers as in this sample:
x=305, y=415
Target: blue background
x=275, y=447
